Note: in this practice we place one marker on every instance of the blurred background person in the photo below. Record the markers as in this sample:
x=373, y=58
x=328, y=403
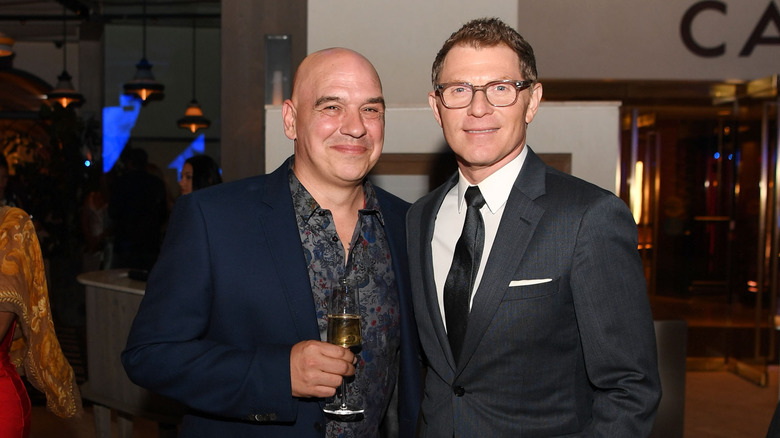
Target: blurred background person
x=24, y=305
x=199, y=171
x=96, y=227
x=138, y=210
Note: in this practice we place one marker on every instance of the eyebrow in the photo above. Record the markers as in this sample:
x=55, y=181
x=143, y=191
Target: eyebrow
x=325, y=99
x=380, y=100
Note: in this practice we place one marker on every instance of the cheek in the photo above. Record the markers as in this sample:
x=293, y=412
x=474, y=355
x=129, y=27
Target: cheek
x=377, y=129
x=451, y=120
x=322, y=127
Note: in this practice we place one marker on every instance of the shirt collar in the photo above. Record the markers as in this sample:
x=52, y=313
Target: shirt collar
x=496, y=187
x=307, y=207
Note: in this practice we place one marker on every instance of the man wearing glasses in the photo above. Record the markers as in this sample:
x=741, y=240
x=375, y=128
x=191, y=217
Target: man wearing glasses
x=528, y=290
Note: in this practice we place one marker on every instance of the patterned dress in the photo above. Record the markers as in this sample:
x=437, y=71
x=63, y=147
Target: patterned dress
x=24, y=292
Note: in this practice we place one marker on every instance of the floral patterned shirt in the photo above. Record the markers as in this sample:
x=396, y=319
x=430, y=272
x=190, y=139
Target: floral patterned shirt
x=370, y=267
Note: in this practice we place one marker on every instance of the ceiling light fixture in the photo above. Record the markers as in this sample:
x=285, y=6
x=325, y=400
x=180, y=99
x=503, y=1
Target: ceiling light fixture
x=6, y=45
x=193, y=116
x=143, y=85
x=63, y=93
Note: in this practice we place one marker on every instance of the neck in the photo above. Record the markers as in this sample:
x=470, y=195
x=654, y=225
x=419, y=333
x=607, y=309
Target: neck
x=343, y=202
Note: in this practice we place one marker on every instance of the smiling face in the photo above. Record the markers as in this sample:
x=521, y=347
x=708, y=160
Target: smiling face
x=483, y=137
x=336, y=118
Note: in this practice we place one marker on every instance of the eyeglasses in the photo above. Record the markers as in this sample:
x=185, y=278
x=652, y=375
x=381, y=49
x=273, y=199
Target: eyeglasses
x=456, y=95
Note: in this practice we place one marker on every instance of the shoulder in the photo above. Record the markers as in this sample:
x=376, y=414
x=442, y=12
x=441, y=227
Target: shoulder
x=249, y=188
x=559, y=184
x=434, y=197
x=392, y=207
x=571, y=197
x=389, y=200
x=242, y=190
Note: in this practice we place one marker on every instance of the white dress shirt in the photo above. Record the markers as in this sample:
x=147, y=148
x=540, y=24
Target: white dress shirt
x=452, y=215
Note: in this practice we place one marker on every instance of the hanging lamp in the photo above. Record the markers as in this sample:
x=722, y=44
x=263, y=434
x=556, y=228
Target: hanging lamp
x=193, y=116
x=6, y=45
x=143, y=85
x=64, y=94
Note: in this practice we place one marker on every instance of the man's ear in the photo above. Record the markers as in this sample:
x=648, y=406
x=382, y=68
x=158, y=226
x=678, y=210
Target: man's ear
x=434, y=106
x=533, y=104
x=288, y=117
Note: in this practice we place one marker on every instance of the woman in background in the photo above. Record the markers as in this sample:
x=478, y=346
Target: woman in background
x=24, y=304
x=199, y=171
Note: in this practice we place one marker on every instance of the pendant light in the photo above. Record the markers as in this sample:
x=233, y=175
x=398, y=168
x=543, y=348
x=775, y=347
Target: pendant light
x=193, y=116
x=64, y=94
x=143, y=83
x=6, y=45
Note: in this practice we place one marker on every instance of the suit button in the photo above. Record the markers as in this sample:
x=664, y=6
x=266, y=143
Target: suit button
x=318, y=426
x=459, y=391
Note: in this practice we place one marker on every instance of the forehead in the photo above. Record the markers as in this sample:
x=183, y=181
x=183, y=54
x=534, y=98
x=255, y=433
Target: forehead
x=478, y=65
x=343, y=77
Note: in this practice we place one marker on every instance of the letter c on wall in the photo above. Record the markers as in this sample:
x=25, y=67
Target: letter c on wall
x=685, y=29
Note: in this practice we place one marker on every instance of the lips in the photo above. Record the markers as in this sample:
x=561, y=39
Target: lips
x=481, y=131
x=350, y=149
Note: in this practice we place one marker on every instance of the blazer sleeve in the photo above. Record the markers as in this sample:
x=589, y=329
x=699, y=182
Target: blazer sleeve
x=615, y=321
x=170, y=350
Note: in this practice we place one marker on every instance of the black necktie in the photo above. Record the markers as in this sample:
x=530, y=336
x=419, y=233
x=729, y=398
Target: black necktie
x=463, y=272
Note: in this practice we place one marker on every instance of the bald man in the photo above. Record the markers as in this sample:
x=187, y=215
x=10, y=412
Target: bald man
x=234, y=324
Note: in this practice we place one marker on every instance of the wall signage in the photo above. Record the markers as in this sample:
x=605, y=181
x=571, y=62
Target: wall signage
x=765, y=32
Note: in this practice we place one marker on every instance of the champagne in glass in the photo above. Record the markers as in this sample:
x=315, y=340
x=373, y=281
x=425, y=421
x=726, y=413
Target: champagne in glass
x=344, y=330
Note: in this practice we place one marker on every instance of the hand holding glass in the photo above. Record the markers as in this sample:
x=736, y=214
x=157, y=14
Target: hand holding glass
x=344, y=330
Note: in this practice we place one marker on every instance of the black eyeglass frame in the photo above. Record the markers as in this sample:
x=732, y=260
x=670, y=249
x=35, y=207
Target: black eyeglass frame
x=519, y=86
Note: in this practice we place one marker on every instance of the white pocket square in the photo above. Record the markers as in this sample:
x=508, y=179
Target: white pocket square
x=516, y=283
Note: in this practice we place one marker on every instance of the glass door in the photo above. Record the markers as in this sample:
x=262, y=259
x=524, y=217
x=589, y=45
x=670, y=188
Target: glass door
x=702, y=185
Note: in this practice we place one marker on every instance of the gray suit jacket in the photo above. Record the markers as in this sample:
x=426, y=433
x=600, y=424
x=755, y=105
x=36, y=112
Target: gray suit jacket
x=560, y=337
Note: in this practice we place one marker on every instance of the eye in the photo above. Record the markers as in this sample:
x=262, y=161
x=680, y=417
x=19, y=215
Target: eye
x=372, y=111
x=459, y=89
x=332, y=110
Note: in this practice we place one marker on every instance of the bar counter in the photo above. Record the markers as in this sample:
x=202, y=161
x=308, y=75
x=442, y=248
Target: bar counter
x=112, y=300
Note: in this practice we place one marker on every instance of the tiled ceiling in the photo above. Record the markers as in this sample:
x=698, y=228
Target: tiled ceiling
x=42, y=20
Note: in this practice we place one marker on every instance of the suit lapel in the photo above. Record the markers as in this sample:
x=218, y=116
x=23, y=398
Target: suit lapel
x=431, y=298
x=278, y=224
x=518, y=223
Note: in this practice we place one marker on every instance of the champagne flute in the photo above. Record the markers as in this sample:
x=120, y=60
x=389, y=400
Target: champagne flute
x=344, y=330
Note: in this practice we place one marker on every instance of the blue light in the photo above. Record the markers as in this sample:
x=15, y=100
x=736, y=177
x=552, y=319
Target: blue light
x=118, y=121
x=87, y=163
x=731, y=157
x=717, y=155
x=198, y=146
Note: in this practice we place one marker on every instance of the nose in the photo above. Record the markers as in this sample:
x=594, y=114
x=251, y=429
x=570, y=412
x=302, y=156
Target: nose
x=479, y=104
x=352, y=124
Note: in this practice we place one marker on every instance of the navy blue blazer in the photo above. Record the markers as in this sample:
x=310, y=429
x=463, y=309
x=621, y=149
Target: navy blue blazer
x=226, y=301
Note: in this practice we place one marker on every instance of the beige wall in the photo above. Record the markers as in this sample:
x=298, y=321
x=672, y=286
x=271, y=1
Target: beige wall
x=594, y=39
x=400, y=38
